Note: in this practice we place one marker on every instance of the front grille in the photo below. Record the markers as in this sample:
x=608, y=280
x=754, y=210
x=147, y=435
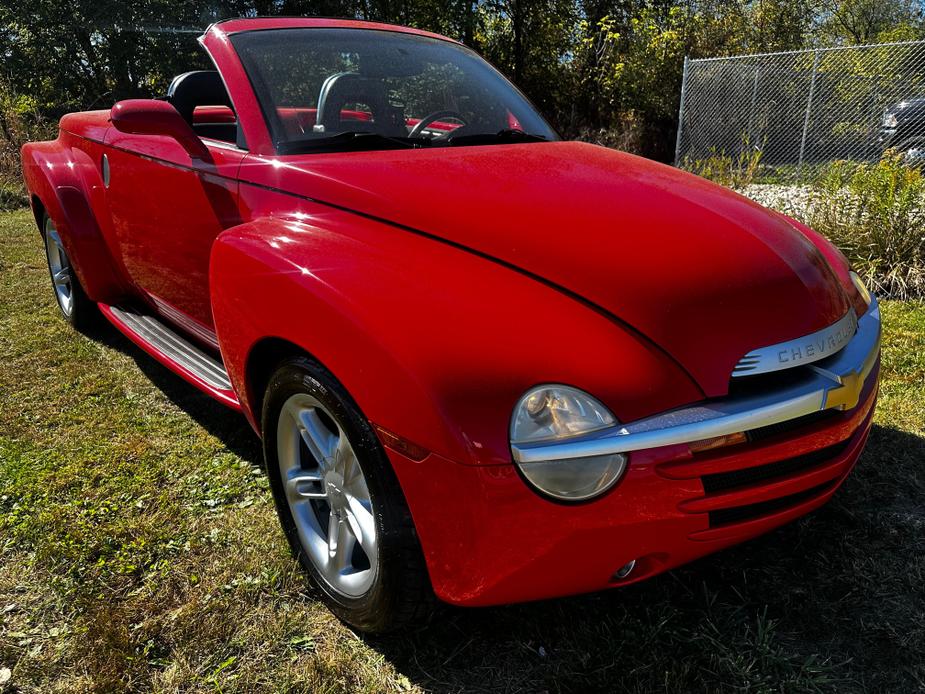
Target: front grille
x=780, y=484
x=739, y=514
x=724, y=481
x=762, y=383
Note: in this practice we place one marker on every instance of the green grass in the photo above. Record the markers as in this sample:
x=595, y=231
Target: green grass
x=139, y=551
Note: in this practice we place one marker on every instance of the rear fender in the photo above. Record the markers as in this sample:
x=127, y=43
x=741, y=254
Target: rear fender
x=66, y=183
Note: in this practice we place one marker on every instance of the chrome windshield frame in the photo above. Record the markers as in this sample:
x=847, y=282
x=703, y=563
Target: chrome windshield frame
x=835, y=382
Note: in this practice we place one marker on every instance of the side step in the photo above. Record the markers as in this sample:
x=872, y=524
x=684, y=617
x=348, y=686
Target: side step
x=174, y=351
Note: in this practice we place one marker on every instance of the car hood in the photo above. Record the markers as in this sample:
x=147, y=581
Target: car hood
x=704, y=273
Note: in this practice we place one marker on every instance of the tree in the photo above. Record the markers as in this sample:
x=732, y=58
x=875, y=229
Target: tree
x=590, y=65
x=867, y=21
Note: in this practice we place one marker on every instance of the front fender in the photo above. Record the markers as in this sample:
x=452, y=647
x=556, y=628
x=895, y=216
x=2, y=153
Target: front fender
x=67, y=183
x=434, y=343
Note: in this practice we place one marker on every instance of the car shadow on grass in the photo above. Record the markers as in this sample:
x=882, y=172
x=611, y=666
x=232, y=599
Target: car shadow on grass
x=221, y=422
x=833, y=601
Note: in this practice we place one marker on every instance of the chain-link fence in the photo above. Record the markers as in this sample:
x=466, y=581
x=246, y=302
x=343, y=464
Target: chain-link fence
x=804, y=108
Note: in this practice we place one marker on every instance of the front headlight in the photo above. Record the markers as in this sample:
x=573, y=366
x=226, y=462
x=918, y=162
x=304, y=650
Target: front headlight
x=551, y=414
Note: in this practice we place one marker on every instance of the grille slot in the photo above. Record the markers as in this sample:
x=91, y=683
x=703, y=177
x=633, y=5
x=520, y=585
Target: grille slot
x=739, y=514
x=724, y=481
x=758, y=384
x=773, y=430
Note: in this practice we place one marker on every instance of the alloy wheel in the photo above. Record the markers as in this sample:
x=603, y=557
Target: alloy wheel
x=62, y=274
x=327, y=495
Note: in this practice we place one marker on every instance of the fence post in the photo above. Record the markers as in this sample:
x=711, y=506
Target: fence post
x=677, y=144
x=751, y=108
x=809, y=109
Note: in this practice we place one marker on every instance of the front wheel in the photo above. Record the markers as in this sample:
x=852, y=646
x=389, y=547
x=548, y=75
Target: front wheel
x=339, y=501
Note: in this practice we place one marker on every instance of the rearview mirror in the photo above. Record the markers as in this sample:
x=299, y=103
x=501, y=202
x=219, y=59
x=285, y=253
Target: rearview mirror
x=153, y=117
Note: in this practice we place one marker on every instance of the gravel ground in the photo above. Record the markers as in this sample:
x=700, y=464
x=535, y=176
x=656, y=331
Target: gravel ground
x=791, y=200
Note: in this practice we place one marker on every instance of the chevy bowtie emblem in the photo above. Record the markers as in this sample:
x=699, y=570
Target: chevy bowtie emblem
x=846, y=389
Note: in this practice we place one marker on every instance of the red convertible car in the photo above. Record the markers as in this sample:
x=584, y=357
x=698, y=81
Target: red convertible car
x=487, y=365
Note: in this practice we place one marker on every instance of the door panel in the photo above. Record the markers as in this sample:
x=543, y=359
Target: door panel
x=167, y=210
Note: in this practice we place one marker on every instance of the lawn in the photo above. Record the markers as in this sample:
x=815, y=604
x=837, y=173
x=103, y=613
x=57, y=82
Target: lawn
x=139, y=550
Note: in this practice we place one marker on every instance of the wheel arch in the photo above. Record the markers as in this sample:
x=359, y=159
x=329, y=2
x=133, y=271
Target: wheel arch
x=38, y=212
x=262, y=360
x=64, y=183
x=264, y=312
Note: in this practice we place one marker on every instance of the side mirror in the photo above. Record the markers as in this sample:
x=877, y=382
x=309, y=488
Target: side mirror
x=153, y=117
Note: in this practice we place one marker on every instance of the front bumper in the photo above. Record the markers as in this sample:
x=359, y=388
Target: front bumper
x=489, y=539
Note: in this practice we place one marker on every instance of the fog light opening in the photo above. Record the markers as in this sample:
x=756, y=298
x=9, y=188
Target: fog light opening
x=624, y=571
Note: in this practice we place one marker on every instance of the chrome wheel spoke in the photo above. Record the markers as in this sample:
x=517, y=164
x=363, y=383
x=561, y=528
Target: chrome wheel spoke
x=347, y=464
x=305, y=484
x=320, y=441
x=334, y=524
x=341, y=559
x=356, y=486
x=62, y=277
x=362, y=524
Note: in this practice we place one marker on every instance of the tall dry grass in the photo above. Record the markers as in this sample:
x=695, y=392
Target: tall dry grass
x=875, y=213
x=736, y=172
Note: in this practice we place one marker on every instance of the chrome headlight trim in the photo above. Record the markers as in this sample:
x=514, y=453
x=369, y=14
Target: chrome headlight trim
x=832, y=383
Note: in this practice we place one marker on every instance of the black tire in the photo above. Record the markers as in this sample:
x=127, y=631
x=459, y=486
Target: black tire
x=400, y=593
x=79, y=310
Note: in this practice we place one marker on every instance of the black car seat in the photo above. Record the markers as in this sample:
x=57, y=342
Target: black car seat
x=346, y=88
x=202, y=88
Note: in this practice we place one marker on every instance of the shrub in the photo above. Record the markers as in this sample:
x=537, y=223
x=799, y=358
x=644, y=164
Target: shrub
x=626, y=134
x=20, y=122
x=12, y=190
x=875, y=212
x=733, y=172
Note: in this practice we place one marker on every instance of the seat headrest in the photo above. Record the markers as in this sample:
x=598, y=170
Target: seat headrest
x=197, y=88
x=349, y=87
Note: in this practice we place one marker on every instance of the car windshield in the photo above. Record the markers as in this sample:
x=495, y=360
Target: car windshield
x=350, y=89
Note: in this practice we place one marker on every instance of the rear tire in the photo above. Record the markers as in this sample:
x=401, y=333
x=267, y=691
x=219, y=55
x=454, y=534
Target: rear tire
x=76, y=307
x=339, y=502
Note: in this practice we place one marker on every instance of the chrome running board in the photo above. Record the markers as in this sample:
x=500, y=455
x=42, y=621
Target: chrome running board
x=174, y=349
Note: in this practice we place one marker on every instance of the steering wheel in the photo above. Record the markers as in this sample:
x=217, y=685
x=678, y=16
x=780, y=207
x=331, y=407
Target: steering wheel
x=435, y=116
